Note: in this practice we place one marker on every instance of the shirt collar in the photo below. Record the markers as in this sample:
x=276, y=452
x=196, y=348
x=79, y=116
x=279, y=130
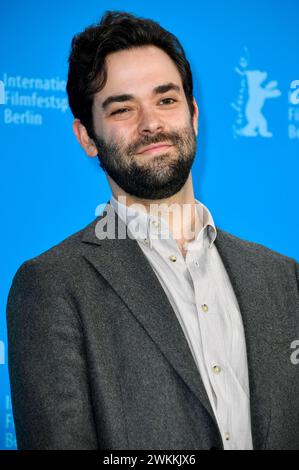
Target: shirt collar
x=145, y=226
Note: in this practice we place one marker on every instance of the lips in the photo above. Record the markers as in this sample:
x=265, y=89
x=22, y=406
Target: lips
x=160, y=145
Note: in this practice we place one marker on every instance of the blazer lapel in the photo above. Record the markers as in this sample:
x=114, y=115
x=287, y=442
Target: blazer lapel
x=122, y=263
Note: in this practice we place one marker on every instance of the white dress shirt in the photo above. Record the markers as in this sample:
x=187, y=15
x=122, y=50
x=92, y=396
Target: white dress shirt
x=200, y=292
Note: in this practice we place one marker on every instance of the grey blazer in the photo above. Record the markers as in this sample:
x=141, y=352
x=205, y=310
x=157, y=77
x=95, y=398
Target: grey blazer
x=98, y=360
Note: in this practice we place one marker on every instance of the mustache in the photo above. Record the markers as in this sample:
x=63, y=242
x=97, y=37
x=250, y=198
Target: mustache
x=172, y=138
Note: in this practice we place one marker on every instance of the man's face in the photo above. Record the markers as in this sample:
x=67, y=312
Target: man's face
x=143, y=104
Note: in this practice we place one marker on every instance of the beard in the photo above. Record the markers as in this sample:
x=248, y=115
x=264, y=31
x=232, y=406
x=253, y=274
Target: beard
x=155, y=176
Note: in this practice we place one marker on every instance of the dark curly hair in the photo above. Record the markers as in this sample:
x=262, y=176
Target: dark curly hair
x=116, y=31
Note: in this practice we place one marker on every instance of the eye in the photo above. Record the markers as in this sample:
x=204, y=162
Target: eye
x=167, y=99
x=119, y=111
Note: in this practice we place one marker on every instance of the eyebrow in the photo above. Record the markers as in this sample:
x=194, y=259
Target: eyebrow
x=158, y=90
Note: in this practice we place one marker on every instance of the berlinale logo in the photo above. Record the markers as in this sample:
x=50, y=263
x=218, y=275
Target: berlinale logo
x=253, y=93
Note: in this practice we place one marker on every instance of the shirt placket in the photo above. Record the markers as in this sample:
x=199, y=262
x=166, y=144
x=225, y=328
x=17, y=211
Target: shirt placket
x=212, y=331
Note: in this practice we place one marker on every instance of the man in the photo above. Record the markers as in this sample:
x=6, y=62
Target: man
x=150, y=328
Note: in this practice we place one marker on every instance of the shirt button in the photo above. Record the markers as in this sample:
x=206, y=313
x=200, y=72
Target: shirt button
x=172, y=258
x=146, y=241
x=227, y=436
x=216, y=369
x=156, y=223
x=204, y=308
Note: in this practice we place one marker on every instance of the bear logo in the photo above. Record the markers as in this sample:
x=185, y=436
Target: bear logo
x=257, y=94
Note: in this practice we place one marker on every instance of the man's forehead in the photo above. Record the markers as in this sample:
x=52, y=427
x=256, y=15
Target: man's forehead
x=140, y=65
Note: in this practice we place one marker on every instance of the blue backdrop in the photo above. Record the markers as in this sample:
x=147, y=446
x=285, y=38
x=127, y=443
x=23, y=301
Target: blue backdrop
x=244, y=57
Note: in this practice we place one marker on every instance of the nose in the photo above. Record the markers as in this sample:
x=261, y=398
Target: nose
x=150, y=121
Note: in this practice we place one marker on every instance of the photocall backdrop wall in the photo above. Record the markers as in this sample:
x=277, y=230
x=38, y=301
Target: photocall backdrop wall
x=244, y=57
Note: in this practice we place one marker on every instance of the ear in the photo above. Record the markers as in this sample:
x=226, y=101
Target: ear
x=195, y=117
x=83, y=138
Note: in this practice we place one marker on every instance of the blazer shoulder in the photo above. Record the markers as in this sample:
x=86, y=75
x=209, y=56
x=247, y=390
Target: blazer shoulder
x=57, y=262
x=255, y=249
